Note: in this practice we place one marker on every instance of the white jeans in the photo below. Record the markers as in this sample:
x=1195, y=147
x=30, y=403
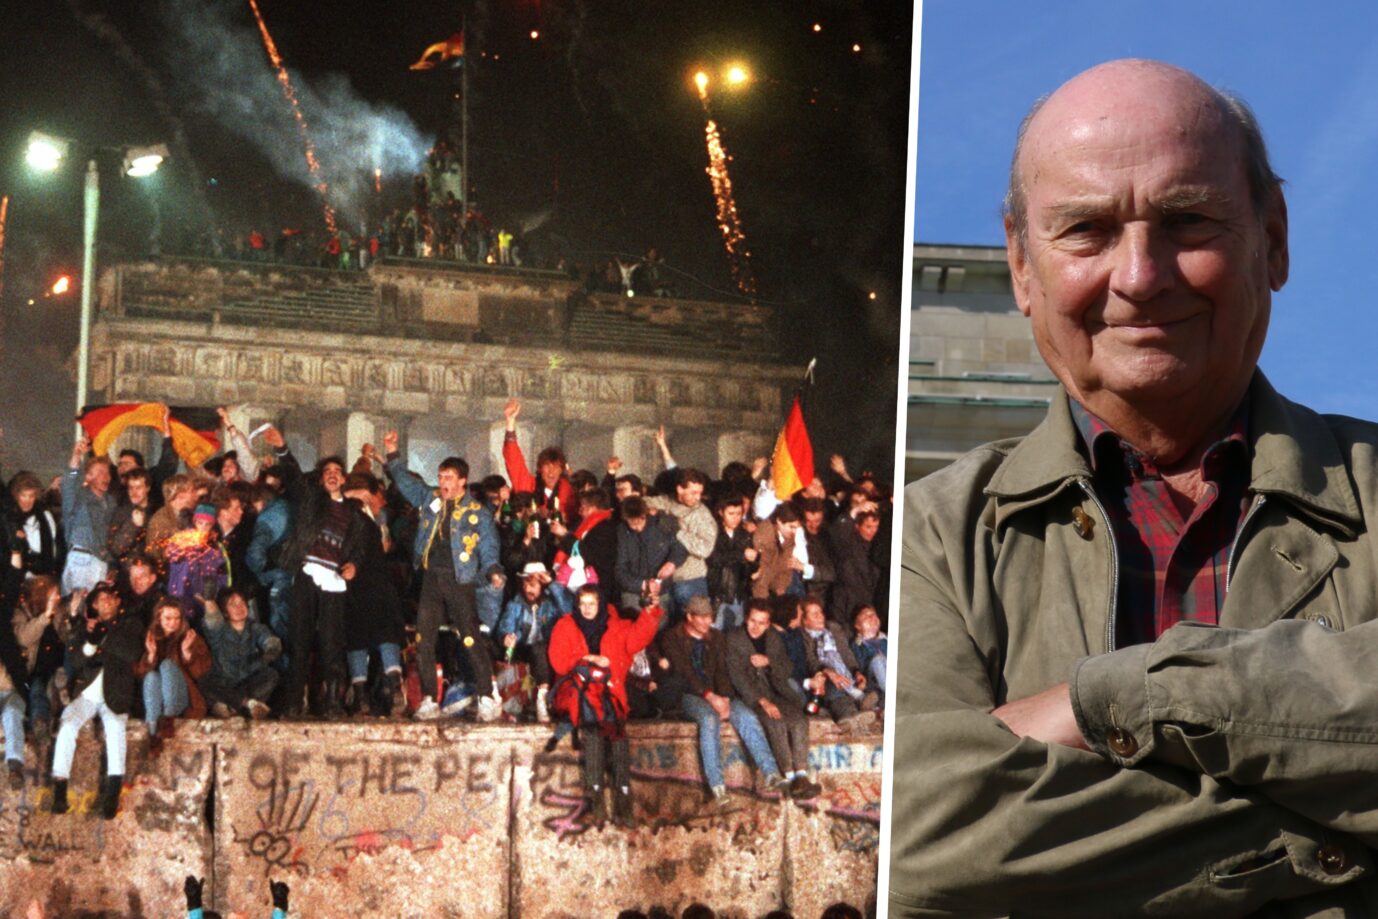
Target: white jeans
x=79, y=711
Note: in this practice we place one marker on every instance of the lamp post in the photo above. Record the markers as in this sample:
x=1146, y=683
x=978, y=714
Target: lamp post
x=46, y=153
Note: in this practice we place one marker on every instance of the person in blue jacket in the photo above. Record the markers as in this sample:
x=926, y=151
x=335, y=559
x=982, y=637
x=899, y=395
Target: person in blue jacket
x=524, y=629
x=457, y=548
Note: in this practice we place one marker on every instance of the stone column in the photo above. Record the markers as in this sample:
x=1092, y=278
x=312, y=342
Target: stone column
x=742, y=446
x=635, y=445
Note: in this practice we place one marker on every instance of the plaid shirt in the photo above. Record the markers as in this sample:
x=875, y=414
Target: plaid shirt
x=1172, y=565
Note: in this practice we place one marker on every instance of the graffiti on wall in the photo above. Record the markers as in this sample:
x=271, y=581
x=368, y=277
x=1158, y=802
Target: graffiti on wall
x=315, y=810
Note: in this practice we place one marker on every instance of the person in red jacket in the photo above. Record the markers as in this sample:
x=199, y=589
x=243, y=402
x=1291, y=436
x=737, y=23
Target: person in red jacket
x=550, y=484
x=591, y=651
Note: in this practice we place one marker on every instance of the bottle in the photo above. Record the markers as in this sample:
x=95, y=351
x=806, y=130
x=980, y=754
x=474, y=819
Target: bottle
x=505, y=514
x=555, y=515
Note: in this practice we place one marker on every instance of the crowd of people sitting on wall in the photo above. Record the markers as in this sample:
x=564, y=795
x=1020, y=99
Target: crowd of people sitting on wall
x=250, y=587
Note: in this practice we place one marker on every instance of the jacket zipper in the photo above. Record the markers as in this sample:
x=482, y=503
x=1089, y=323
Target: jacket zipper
x=1114, y=562
x=1239, y=537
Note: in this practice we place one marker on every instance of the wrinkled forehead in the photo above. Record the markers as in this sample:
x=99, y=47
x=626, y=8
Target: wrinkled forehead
x=1127, y=110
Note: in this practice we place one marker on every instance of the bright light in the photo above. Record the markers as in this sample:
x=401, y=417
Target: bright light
x=45, y=153
x=62, y=285
x=818, y=27
x=737, y=75
x=871, y=295
x=144, y=161
x=701, y=80
x=856, y=49
x=535, y=35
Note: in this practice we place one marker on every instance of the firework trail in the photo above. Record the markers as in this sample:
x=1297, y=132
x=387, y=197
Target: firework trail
x=4, y=210
x=287, y=90
x=733, y=237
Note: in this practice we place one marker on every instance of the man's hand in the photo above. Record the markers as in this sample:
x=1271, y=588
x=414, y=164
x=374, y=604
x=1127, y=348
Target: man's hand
x=839, y=465
x=720, y=704
x=369, y=453
x=510, y=411
x=497, y=580
x=653, y=590
x=839, y=680
x=614, y=465
x=665, y=571
x=750, y=554
x=79, y=451
x=224, y=417
x=192, y=888
x=1046, y=716
x=597, y=660
x=167, y=420
x=760, y=660
x=771, y=709
x=509, y=640
x=273, y=437
x=558, y=529
x=758, y=466
x=390, y=443
x=348, y=571
x=795, y=564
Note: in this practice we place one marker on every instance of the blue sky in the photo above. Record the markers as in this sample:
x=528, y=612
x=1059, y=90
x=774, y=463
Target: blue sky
x=1309, y=71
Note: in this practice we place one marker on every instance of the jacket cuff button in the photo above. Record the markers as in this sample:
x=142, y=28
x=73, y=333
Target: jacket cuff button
x=1121, y=742
x=1332, y=859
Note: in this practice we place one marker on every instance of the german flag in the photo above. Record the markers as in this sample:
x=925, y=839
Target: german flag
x=194, y=430
x=792, y=464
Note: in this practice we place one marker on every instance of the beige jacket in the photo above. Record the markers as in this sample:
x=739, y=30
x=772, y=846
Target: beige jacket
x=1236, y=768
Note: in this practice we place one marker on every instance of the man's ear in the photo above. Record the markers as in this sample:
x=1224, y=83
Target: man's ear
x=1275, y=232
x=1019, y=265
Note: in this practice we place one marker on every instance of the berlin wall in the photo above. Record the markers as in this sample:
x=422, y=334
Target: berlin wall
x=413, y=820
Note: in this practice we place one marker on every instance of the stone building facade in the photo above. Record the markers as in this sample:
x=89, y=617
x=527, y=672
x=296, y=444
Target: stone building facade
x=974, y=372
x=337, y=358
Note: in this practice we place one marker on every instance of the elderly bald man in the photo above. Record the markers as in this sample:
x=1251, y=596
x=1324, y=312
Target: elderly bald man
x=1138, y=664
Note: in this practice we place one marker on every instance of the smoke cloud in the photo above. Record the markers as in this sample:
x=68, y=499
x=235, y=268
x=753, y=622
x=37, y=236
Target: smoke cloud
x=235, y=85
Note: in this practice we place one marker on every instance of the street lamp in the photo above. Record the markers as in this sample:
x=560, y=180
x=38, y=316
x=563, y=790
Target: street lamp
x=46, y=153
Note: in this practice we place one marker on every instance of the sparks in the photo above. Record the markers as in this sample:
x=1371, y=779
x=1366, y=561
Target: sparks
x=734, y=238
x=378, y=180
x=62, y=285
x=308, y=148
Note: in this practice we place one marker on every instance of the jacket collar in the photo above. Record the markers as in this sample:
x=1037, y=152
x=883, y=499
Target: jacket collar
x=1292, y=449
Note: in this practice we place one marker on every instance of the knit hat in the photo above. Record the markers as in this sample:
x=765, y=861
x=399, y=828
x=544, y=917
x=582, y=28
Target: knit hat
x=204, y=511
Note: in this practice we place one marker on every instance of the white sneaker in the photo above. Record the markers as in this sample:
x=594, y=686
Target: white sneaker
x=542, y=707
x=427, y=710
x=490, y=706
x=457, y=706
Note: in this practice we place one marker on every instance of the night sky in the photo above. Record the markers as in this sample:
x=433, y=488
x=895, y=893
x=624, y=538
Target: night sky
x=592, y=133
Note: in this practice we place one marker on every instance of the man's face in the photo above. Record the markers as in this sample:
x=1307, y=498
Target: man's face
x=636, y=524
x=757, y=621
x=549, y=473
x=868, y=528
x=787, y=530
x=1148, y=272
x=107, y=605
x=588, y=605
x=732, y=516
x=236, y=610
x=451, y=484
x=813, y=522
x=229, y=471
x=184, y=500
x=124, y=464
x=98, y=478
x=867, y=623
x=142, y=579
x=622, y=490
x=690, y=494
x=27, y=499
x=137, y=489
x=228, y=517
x=531, y=588
x=813, y=617
x=332, y=478
x=698, y=624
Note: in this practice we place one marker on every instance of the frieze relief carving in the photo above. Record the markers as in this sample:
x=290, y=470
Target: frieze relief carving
x=295, y=369
x=162, y=361
x=644, y=391
x=251, y=367
x=416, y=378
x=493, y=382
x=210, y=363
x=376, y=375
x=334, y=372
x=459, y=380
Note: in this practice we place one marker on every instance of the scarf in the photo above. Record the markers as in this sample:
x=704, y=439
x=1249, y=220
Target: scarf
x=593, y=629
